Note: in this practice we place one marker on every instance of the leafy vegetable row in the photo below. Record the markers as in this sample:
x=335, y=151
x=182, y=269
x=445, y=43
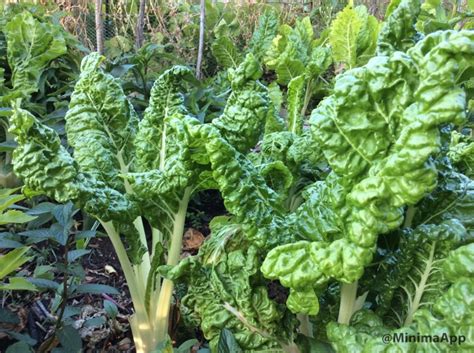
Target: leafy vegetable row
x=334, y=212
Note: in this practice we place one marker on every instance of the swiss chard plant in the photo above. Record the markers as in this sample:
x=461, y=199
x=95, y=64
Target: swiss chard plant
x=35, y=54
x=125, y=172
x=303, y=64
x=39, y=61
x=373, y=177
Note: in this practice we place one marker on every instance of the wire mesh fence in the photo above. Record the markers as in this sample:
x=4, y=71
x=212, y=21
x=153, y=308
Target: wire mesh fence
x=120, y=16
x=161, y=17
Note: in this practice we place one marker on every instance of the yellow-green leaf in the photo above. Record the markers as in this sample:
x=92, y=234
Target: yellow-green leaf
x=12, y=260
x=343, y=36
x=15, y=216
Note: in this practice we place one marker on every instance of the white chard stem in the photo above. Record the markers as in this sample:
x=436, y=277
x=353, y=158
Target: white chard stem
x=164, y=300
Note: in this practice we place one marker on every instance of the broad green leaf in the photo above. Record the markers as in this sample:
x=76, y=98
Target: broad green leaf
x=7, y=201
x=291, y=50
x=276, y=95
x=117, y=45
x=453, y=198
x=398, y=32
x=343, y=36
x=6, y=192
x=303, y=35
x=55, y=173
x=59, y=233
x=288, y=69
x=111, y=309
x=292, y=265
x=9, y=317
x=296, y=92
x=391, y=7
x=431, y=4
x=186, y=346
x=415, y=279
x=42, y=140
x=223, y=295
x=43, y=283
x=42, y=208
x=22, y=337
x=100, y=124
x=260, y=204
x=73, y=255
x=18, y=283
x=226, y=53
x=459, y=263
x=155, y=143
x=245, y=114
x=279, y=44
x=320, y=61
x=9, y=244
x=263, y=35
x=303, y=301
x=367, y=38
x=12, y=260
x=15, y=216
x=366, y=193
x=448, y=313
x=19, y=347
x=95, y=322
x=461, y=152
x=32, y=45
x=7, y=146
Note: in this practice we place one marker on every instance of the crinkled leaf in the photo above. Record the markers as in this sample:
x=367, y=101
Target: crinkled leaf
x=225, y=52
x=398, y=31
x=295, y=104
x=32, y=45
x=263, y=35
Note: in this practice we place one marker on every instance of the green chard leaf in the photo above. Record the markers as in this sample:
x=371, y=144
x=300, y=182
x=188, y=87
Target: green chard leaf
x=453, y=198
x=46, y=166
x=263, y=35
x=295, y=104
x=101, y=124
x=246, y=111
x=32, y=45
x=447, y=314
x=224, y=291
x=398, y=31
x=461, y=153
x=353, y=36
x=290, y=50
x=226, y=53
